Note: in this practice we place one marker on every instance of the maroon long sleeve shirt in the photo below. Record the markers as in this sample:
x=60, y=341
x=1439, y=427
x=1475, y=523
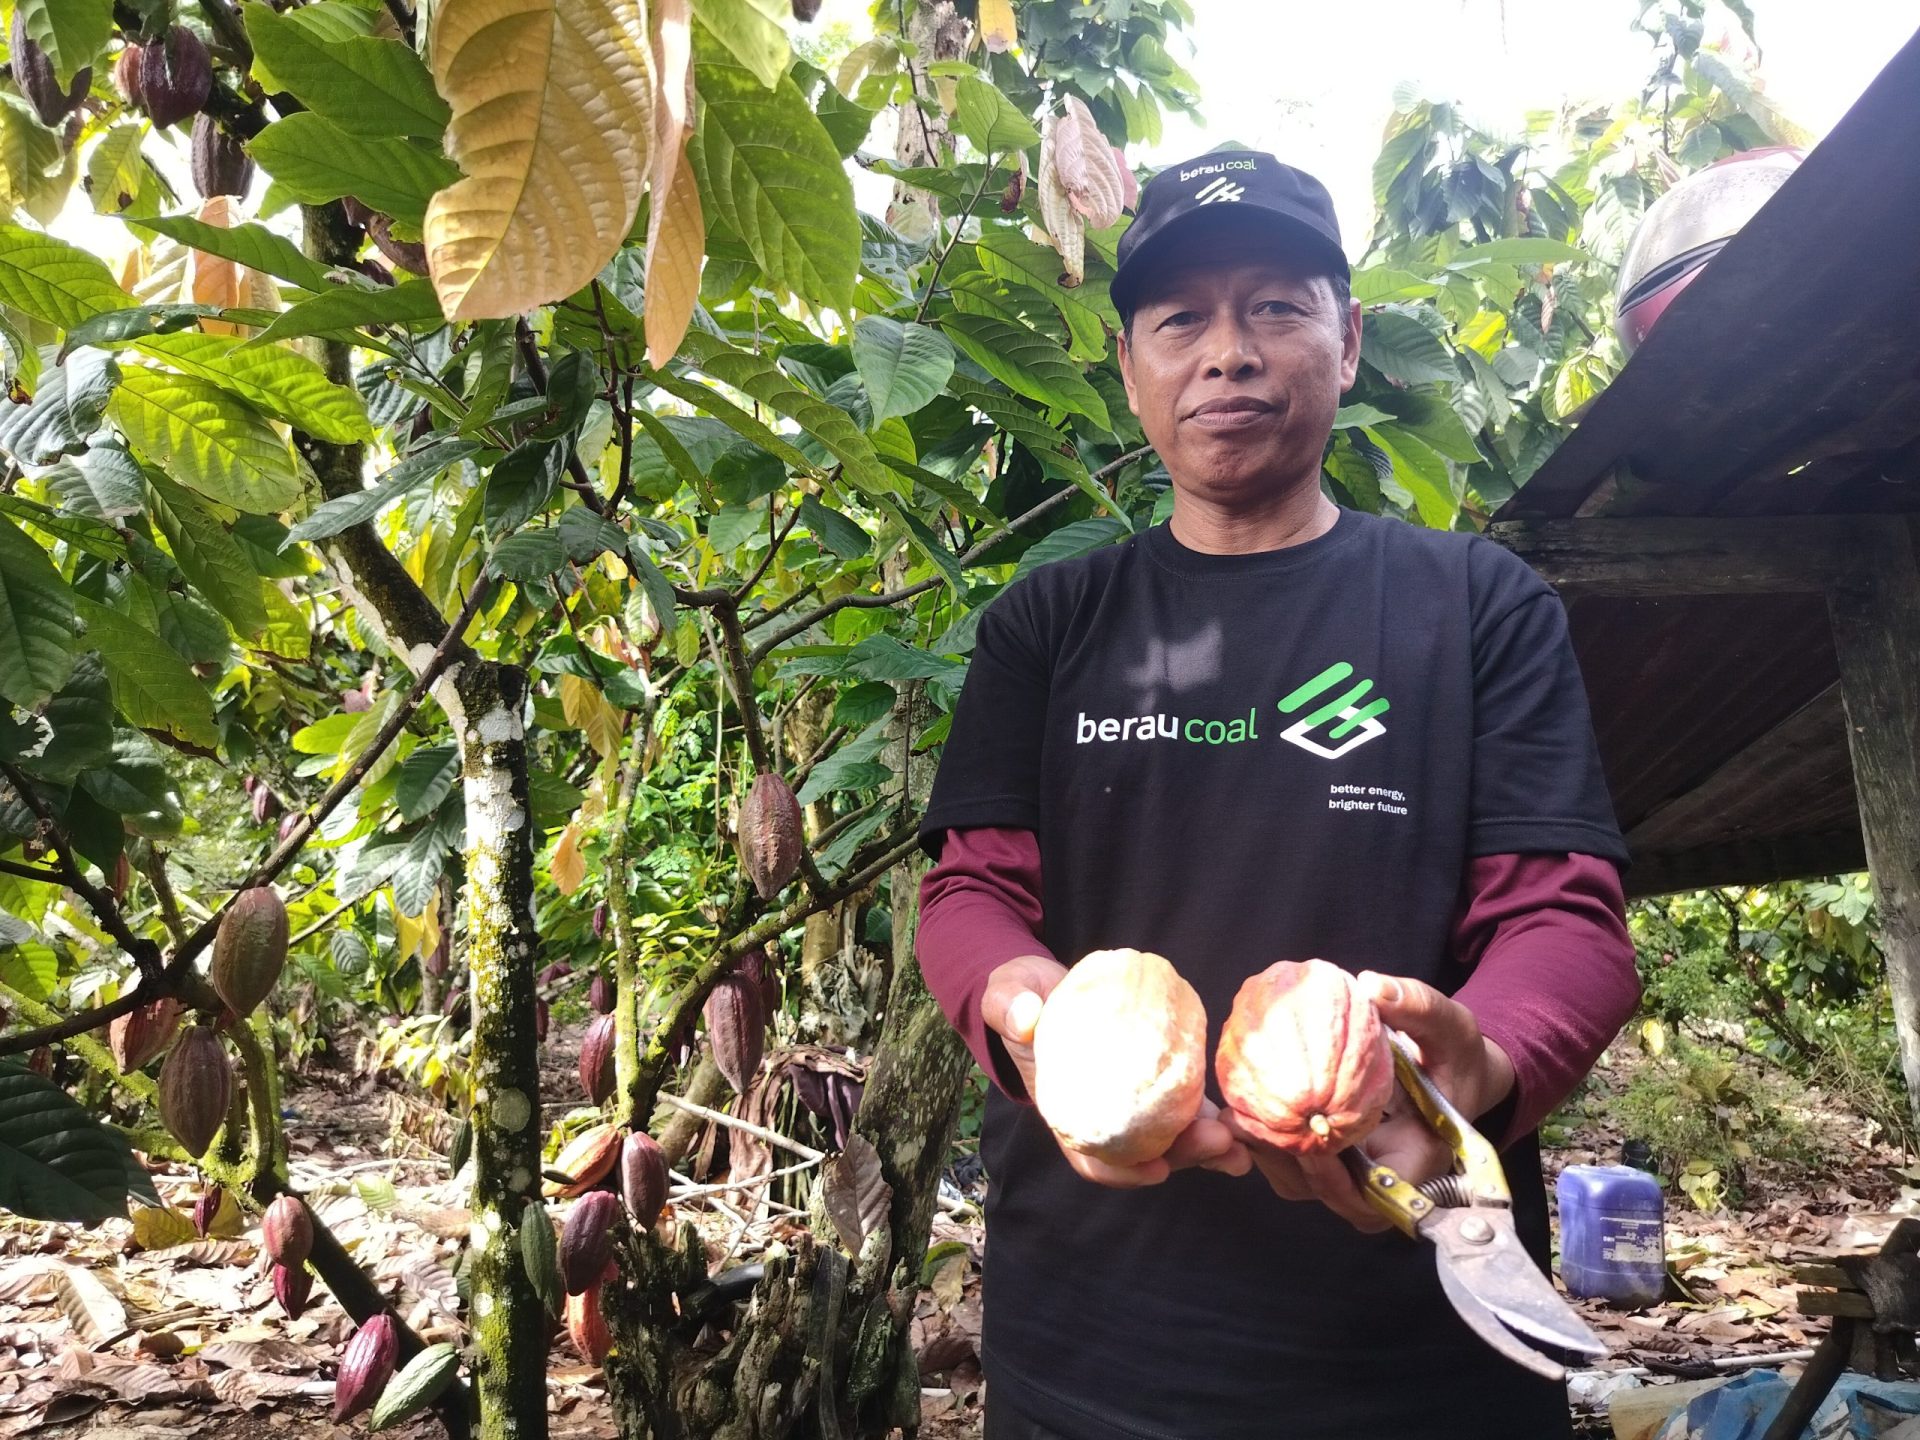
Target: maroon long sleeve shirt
x=1544, y=937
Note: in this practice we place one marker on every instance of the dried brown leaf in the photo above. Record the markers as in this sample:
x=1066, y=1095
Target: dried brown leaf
x=96, y=1315
x=856, y=1194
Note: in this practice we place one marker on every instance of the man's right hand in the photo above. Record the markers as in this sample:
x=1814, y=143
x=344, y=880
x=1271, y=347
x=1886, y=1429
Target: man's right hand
x=1016, y=992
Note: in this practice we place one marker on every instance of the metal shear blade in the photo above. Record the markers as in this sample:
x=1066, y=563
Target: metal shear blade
x=1496, y=1288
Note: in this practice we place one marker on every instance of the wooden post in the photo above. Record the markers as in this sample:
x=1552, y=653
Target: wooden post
x=1875, y=612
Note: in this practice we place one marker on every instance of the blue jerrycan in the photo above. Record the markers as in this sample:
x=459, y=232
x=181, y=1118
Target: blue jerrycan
x=1613, y=1238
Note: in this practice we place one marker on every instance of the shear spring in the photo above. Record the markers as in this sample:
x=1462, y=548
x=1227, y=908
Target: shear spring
x=1447, y=1191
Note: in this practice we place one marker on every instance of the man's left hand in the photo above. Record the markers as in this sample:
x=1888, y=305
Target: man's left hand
x=1469, y=1069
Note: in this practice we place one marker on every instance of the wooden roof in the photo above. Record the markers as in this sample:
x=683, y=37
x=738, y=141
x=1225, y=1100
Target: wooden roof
x=1700, y=515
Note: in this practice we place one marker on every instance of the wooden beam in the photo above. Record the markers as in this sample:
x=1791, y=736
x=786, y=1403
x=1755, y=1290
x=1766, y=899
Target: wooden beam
x=1652, y=558
x=1744, y=862
x=1875, y=612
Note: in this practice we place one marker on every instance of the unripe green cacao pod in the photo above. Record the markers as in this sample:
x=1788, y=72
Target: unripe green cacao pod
x=596, y=1059
x=643, y=1177
x=287, y=1231
x=539, y=1253
x=33, y=73
x=195, y=1085
x=462, y=1146
x=586, y=1242
x=221, y=166
x=250, y=949
x=420, y=1382
x=737, y=1026
x=770, y=833
x=366, y=1366
x=135, y=1038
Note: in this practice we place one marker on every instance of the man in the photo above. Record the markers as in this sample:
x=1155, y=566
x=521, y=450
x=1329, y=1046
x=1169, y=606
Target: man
x=1269, y=729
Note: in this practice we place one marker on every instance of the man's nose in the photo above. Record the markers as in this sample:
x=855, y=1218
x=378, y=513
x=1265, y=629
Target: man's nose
x=1232, y=353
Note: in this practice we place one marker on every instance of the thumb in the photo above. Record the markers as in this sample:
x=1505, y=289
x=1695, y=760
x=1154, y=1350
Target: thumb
x=1414, y=1008
x=1023, y=1017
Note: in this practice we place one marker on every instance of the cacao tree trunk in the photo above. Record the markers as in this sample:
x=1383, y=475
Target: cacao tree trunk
x=484, y=702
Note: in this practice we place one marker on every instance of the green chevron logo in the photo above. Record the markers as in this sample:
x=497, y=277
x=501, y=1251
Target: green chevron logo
x=1349, y=714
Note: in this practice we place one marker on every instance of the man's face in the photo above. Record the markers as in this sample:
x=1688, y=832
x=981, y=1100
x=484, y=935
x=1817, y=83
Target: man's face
x=1236, y=366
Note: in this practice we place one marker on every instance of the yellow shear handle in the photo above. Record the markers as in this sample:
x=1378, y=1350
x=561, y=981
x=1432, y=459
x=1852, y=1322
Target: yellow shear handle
x=1475, y=1161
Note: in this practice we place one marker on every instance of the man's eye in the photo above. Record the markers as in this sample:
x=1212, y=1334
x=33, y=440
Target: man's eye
x=1179, y=317
x=1278, y=307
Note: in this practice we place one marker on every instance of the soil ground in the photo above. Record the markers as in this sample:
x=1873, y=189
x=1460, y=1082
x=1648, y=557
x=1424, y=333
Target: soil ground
x=125, y=1334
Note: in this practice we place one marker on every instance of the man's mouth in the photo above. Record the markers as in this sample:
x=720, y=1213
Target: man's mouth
x=1230, y=412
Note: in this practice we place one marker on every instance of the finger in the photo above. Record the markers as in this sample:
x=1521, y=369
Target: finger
x=1117, y=1177
x=1204, y=1140
x=1333, y=1185
x=1236, y=1159
x=1431, y=1020
x=1023, y=1017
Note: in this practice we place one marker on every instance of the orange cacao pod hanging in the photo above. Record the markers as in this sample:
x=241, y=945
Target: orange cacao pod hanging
x=1120, y=1056
x=586, y=1326
x=586, y=1160
x=1303, y=1059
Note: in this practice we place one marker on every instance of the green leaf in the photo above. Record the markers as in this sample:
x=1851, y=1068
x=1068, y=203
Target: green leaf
x=372, y=87
x=207, y=555
x=81, y=717
x=285, y=384
x=835, y=531
x=152, y=686
x=135, y=785
x=659, y=589
x=36, y=621
x=289, y=633
x=1349, y=417
x=529, y=555
x=922, y=538
x=116, y=170
x=522, y=481
x=904, y=365
x=768, y=384
x=1423, y=470
x=105, y=483
x=1047, y=445
x=1081, y=537
x=1403, y=349
x=251, y=245
x=206, y=439
x=1523, y=250
x=423, y=780
x=315, y=160
x=989, y=119
x=770, y=173
x=1008, y=255
x=67, y=407
x=96, y=538
x=754, y=31
x=57, y=1162
x=136, y=322
x=346, y=511
x=1028, y=363
x=52, y=280
x=337, y=312
x=881, y=657
x=72, y=32
x=668, y=437
x=425, y=857
x=1376, y=285
x=31, y=968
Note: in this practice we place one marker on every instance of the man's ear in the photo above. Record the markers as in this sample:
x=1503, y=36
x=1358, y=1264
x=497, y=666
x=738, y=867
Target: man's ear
x=1350, y=348
x=1125, y=355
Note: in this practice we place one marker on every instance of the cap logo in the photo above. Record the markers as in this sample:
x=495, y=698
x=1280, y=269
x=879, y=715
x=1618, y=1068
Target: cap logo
x=1222, y=189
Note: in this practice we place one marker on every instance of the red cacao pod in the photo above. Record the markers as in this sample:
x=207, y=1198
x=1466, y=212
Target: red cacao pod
x=770, y=833
x=135, y=1038
x=600, y=995
x=1303, y=1059
x=292, y=1285
x=366, y=1366
x=586, y=1241
x=40, y=1062
x=33, y=73
x=758, y=968
x=559, y=970
x=221, y=165
x=596, y=1059
x=287, y=1231
x=266, y=804
x=1120, y=1056
x=541, y=1016
x=737, y=1026
x=206, y=1208
x=122, y=876
x=169, y=78
x=586, y=1326
x=456, y=997
x=643, y=1177
x=250, y=948
x=599, y=920
x=195, y=1085
x=287, y=822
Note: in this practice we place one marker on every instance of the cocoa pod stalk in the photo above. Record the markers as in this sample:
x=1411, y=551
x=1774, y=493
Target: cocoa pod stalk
x=586, y=1240
x=250, y=948
x=195, y=1085
x=596, y=1059
x=770, y=833
x=33, y=73
x=287, y=1231
x=643, y=1177
x=136, y=1037
x=737, y=1026
x=292, y=1285
x=221, y=165
x=366, y=1367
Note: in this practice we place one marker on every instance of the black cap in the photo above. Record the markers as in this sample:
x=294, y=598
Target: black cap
x=1241, y=182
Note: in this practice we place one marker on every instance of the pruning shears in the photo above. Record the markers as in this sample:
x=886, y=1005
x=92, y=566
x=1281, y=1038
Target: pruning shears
x=1468, y=1217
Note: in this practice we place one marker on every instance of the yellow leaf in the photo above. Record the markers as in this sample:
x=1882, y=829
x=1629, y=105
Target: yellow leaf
x=552, y=123
x=569, y=866
x=155, y=1227
x=996, y=25
x=583, y=705
x=1653, y=1037
x=676, y=228
x=214, y=280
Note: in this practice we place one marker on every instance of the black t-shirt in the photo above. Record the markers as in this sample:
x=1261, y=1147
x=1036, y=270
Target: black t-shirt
x=1232, y=760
